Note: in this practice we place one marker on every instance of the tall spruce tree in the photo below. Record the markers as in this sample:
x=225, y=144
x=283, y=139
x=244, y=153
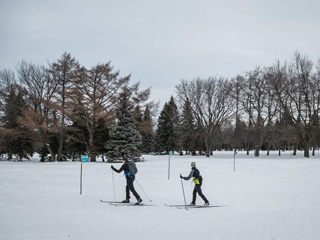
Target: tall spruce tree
x=147, y=131
x=102, y=137
x=167, y=130
x=187, y=128
x=77, y=135
x=125, y=139
x=17, y=139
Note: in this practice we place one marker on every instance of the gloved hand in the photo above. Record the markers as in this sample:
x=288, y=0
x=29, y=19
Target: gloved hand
x=112, y=167
x=181, y=176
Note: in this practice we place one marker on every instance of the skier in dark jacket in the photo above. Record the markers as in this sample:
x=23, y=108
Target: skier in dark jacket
x=197, y=179
x=130, y=179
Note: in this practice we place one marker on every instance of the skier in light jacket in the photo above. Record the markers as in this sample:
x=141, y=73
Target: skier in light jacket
x=197, y=179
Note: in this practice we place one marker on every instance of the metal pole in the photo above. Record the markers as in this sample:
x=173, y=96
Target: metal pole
x=184, y=196
x=81, y=178
x=169, y=167
x=114, y=190
x=234, y=161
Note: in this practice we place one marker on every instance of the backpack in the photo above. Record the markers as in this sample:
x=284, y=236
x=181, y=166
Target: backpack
x=197, y=178
x=132, y=168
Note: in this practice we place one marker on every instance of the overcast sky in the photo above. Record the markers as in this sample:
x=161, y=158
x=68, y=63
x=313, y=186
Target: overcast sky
x=160, y=42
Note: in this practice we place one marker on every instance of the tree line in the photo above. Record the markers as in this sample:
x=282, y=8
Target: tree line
x=269, y=108
x=67, y=109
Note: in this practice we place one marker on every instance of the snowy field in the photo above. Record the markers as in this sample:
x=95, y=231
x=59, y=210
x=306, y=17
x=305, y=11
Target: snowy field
x=269, y=197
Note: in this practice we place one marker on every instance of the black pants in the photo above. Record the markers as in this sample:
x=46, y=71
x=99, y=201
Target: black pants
x=197, y=189
x=130, y=187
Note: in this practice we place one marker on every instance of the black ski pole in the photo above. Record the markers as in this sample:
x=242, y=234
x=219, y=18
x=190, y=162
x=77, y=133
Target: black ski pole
x=184, y=196
x=143, y=191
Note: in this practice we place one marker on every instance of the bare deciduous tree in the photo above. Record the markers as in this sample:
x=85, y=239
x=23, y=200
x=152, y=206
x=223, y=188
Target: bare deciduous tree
x=211, y=104
x=41, y=92
x=297, y=90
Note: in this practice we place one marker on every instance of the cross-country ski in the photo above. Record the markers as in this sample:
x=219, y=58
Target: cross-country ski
x=192, y=206
x=124, y=203
x=130, y=204
x=104, y=201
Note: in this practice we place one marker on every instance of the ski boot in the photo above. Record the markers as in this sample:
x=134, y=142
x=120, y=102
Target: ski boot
x=138, y=202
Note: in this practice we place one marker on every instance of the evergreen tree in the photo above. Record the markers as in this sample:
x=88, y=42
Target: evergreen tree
x=101, y=137
x=125, y=139
x=145, y=128
x=77, y=135
x=167, y=130
x=162, y=132
x=2, y=150
x=147, y=132
x=17, y=139
x=187, y=128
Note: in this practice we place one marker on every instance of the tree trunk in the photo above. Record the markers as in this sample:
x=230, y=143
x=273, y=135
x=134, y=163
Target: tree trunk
x=59, y=157
x=208, y=145
x=314, y=150
x=92, y=154
x=93, y=157
x=257, y=151
x=295, y=150
x=53, y=156
x=207, y=152
x=92, y=149
x=306, y=151
x=248, y=149
x=61, y=131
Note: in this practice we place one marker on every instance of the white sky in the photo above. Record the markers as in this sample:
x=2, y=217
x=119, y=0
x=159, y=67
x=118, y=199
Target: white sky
x=160, y=42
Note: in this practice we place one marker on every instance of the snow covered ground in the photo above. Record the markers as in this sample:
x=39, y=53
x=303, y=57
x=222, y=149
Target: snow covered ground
x=269, y=197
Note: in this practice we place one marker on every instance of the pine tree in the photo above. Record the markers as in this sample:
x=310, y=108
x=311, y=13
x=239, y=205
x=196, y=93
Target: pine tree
x=147, y=132
x=145, y=128
x=167, y=130
x=125, y=139
x=17, y=139
x=101, y=137
x=187, y=131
